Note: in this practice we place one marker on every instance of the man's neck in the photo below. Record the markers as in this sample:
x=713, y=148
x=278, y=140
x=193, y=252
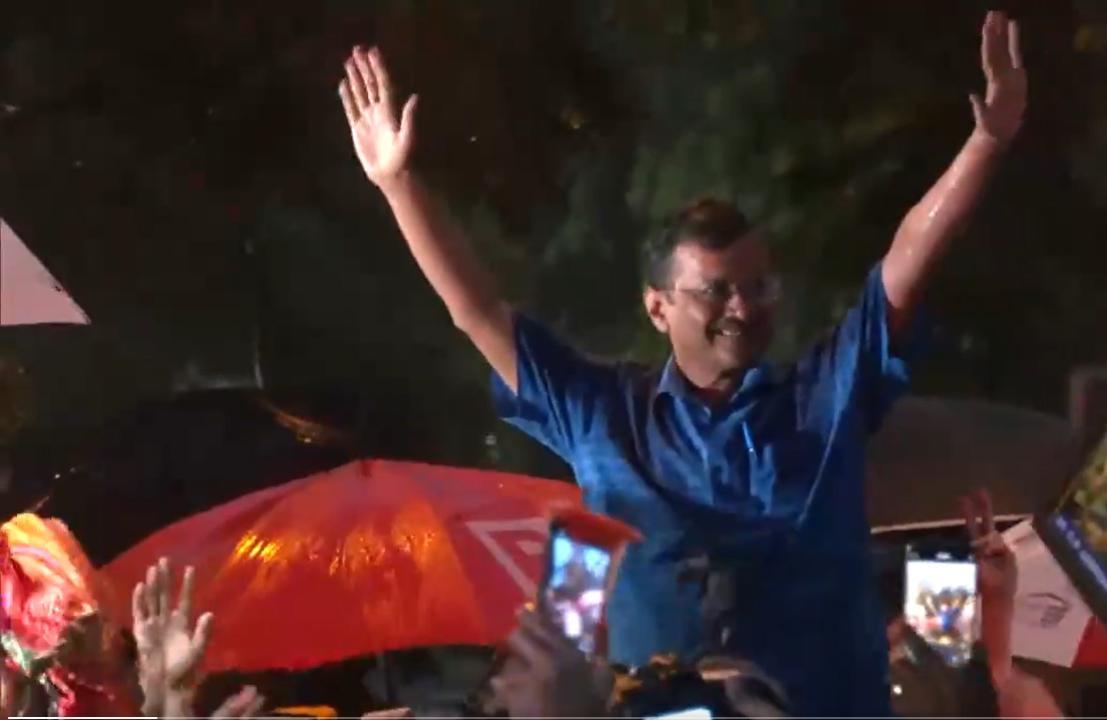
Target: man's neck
x=712, y=387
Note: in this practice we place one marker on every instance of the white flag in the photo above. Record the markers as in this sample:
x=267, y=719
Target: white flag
x=1050, y=616
x=29, y=294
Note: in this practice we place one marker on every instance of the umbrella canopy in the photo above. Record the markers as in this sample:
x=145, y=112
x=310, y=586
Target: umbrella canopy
x=29, y=294
x=932, y=450
x=372, y=556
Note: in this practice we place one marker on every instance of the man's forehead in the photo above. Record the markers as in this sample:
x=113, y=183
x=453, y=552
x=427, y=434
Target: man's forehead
x=748, y=256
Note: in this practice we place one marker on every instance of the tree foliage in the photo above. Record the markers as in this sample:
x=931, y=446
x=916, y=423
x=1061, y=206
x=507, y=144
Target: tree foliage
x=185, y=170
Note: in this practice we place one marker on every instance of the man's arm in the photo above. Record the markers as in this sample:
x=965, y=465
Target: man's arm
x=930, y=225
x=440, y=248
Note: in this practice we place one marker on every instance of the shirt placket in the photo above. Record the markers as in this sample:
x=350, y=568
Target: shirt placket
x=727, y=465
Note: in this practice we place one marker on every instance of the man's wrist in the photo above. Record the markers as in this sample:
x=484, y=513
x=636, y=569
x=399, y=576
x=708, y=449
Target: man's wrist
x=397, y=184
x=985, y=143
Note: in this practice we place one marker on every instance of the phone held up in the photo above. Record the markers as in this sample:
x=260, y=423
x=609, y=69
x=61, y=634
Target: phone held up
x=583, y=553
x=940, y=601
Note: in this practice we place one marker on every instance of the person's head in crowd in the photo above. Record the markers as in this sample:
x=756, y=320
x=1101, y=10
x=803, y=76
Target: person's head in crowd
x=545, y=675
x=710, y=288
x=723, y=686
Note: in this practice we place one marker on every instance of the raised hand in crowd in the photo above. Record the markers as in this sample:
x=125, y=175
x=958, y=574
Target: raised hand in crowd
x=397, y=713
x=997, y=579
x=548, y=676
x=1022, y=695
x=246, y=703
x=169, y=647
x=1018, y=694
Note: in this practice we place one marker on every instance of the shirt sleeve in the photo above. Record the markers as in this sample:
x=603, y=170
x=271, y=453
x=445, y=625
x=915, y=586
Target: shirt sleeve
x=560, y=392
x=860, y=363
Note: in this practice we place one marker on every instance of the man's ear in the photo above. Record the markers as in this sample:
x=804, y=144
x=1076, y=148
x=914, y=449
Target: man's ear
x=657, y=306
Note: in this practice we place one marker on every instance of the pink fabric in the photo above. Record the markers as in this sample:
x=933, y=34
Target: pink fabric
x=29, y=294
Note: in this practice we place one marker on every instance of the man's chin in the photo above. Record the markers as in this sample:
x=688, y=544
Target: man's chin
x=735, y=359
x=731, y=362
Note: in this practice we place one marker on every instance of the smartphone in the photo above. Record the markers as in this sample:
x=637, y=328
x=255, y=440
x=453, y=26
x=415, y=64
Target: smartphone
x=575, y=587
x=940, y=601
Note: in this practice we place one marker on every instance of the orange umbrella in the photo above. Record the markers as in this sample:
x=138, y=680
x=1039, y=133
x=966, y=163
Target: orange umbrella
x=372, y=556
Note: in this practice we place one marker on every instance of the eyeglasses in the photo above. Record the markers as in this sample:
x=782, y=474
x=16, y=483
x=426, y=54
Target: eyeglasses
x=763, y=291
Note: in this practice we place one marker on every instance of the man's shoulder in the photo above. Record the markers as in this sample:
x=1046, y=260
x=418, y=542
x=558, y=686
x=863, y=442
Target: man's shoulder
x=628, y=377
x=637, y=376
x=608, y=364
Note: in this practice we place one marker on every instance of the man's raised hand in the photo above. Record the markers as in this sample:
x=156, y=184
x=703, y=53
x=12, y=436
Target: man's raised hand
x=1000, y=112
x=382, y=137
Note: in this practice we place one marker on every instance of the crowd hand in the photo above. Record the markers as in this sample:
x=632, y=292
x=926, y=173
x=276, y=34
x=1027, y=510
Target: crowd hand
x=82, y=643
x=552, y=677
x=169, y=647
x=997, y=572
x=382, y=140
x=997, y=581
x=391, y=714
x=1021, y=695
x=999, y=113
x=246, y=703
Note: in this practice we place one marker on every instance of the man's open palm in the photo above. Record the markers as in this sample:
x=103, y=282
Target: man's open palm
x=1000, y=112
x=382, y=140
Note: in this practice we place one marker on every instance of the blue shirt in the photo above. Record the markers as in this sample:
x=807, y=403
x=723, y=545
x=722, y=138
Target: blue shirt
x=771, y=482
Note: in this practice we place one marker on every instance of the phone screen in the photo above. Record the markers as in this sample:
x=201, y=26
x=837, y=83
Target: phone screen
x=576, y=587
x=940, y=602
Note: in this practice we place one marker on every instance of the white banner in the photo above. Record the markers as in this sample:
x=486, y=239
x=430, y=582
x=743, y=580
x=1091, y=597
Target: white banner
x=29, y=294
x=1050, y=616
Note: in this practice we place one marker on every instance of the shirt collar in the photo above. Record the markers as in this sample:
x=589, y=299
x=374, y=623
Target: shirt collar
x=673, y=382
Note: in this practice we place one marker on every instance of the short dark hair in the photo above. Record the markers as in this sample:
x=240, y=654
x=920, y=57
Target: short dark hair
x=709, y=222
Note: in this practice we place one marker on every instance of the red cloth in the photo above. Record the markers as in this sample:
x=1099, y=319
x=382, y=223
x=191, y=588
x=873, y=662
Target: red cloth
x=46, y=584
x=1093, y=647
